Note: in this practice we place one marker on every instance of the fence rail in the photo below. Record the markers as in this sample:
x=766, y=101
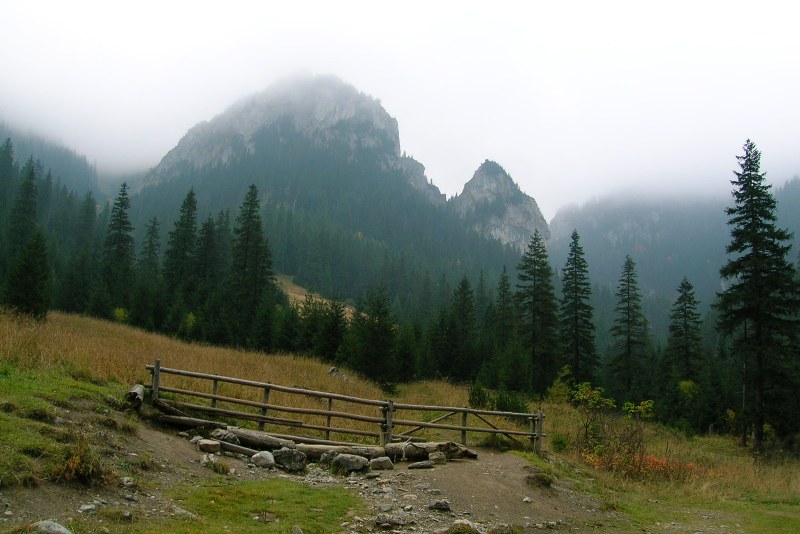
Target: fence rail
x=386, y=421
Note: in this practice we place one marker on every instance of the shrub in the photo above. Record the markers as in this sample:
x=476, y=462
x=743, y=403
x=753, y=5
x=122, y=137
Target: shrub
x=479, y=396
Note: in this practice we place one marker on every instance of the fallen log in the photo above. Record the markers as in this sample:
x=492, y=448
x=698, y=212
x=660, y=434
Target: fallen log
x=315, y=452
x=168, y=409
x=420, y=451
x=189, y=422
x=232, y=447
x=135, y=396
x=259, y=440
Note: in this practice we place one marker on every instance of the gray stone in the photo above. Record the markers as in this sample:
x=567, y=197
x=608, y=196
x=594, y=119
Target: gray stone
x=50, y=527
x=442, y=505
x=127, y=482
x=297, y=530
x=87, y=508
x=291, y=460
x=221, y=434
x=263, y=459
x=437, y=457
x=344, y=464
x=208, y=445
x=208, y=459
x=427, y=464
x=196, y=439
x=382, y=463
x=327, y=457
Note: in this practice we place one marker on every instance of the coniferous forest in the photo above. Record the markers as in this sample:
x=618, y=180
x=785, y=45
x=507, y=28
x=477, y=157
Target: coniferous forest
x=466, y=309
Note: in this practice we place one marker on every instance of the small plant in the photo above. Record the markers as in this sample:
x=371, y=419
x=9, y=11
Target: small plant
x=559, y=442
x=479, y=396
x=509, y=401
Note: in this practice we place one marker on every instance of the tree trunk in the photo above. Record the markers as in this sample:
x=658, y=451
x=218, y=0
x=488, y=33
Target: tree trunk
x=315, y=452
x=260, y=440
x=420, y=451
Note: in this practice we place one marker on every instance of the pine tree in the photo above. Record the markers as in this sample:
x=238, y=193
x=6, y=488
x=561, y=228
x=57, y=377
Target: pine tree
x=26, y=291
x=759, y=308
x=251, y=270
x=684, y=344
x=22, y=224
x=539, y=314
x=463, y=362
x=179, y=257
x=577, y=322
x=118, y=254
x=147, y=302
x=629, y=335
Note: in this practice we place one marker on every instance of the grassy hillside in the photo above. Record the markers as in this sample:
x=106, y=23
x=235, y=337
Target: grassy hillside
x=78, y=364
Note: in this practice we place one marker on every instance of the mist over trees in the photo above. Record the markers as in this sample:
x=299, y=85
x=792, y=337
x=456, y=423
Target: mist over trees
x=398, y=313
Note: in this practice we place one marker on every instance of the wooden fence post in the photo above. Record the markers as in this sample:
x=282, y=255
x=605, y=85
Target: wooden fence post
x=156, y=381
x=464, y=428
x=388, y=412
x=539, y=432
x=214, y=391
x=534, y=425
x=264, y=410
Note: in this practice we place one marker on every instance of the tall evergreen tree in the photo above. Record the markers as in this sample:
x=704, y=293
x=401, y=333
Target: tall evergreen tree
x=576, y=314
x=539, y=314
x=27, y=291
x=462, y=361
x=251, y=270
x=684, y=344
x=629, y=335
x=118, y=254
x=22, y=224
x=371, y=337
x=179, y=257
x=759, y=308
x=147, y=302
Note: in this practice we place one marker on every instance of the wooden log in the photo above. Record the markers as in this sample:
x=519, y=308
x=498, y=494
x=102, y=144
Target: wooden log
x=315, y=452
x=135, y=396
x=417, y=451
x=259, y=440
x=232, y=447
x=168, y=409
x=189, y=422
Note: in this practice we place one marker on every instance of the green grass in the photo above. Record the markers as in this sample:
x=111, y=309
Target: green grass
x=37, y=443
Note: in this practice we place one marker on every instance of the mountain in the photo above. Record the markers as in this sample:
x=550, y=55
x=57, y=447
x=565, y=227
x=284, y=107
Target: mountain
x=345, y=209
x=68, y=167
x=495, y=207
x=323, y=110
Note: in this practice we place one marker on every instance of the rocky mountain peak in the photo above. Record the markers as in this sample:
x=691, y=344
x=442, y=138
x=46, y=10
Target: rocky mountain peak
x=323, y=109
x=494, y=205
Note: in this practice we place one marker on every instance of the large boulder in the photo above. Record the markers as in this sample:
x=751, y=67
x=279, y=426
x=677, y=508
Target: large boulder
x=290, y=460
x=344, y=464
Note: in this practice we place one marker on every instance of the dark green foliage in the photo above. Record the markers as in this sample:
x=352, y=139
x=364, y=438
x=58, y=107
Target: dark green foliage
x=628, y=358
x=576, y=315
x=758, y=310
x=460, y=361
x=539, y=314
x=370, y=341
x=179, y=258
x=26, y=292
x=117, y=264
x=22, y=223
x=251, y=268
x=684, y=345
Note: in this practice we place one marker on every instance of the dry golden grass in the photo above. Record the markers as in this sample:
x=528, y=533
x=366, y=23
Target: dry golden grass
x=101, y=350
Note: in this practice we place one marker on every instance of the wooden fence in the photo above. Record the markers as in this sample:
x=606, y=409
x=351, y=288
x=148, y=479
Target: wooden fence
x=387, y=422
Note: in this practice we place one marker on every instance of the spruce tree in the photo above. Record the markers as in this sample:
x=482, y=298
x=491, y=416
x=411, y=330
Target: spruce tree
x=463, y=362
x=22, y=223
x=118, y=256
x=629, y=337
x=576, y=314
x=759, y=308
x=251, y=269
x=539, y=314
x=179, y=257
x=684, y=344
x=26, y=291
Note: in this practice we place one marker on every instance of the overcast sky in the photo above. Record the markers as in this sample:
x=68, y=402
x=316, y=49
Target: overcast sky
x=576, y=100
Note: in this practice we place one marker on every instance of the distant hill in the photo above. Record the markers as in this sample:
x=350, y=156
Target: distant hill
x=72, y=169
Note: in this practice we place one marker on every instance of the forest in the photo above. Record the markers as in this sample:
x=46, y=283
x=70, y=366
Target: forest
x=514, y=328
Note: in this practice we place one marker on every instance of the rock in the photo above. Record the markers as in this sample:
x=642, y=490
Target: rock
x=263, y=459
x=442, y=505
x=426, y=464
x=327, y=457
x=382, y=463
x=221, y=434
x=177, y=510
x=527, y=500
x=87, y=508
x=126, y=482
x=195, y=439
x=437, y=458
x=208, y=459
x=50, y=527
x=297, y=530
x=8, y=513
x=391, y=520
x=344, y=464
x=209, y=445
x=385, y=507
x=291, y=460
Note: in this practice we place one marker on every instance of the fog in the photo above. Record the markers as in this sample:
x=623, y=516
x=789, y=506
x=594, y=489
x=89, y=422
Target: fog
x=575, y=100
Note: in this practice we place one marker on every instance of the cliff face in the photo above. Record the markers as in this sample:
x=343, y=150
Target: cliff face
x=324, y=110
x=494, y=206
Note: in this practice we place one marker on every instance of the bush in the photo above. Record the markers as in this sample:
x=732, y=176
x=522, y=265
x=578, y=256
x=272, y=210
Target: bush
x=509, y=401
x=479, y=397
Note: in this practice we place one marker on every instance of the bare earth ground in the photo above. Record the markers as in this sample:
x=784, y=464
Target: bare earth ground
x=491, y=490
